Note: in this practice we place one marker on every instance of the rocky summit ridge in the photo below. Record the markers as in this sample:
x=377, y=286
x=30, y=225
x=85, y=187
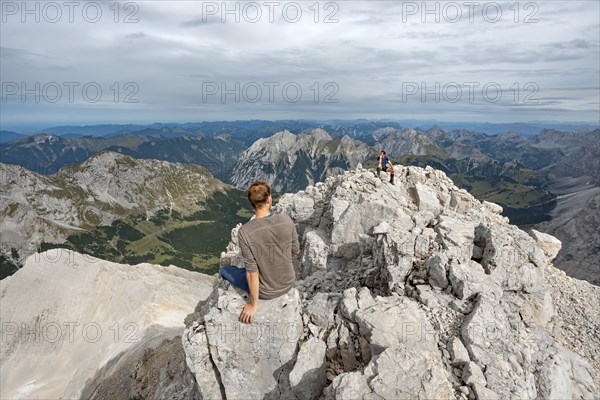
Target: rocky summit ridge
x=414, y=290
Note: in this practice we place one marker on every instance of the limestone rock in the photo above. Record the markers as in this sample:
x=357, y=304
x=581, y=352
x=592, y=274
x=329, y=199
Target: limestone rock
x=537, y=310
x=307, y=378
x=460, y=355
x=404, y=322
x=315, y=252
x=244, y=360
x=468, y=280
x=348, y=304
x=410, y=372
x=472, y=375
x=418, y=290
x=321, y=308
x=427, y=199
x=436, y=265
x=548, y=243
x=71, y=321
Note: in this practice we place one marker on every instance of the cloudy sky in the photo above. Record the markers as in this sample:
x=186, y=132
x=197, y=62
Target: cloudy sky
x=178, y=61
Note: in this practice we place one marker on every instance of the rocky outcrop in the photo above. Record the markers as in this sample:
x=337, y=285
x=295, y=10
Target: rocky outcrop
x=76, y=326
x=413, y=290
x=235, y=360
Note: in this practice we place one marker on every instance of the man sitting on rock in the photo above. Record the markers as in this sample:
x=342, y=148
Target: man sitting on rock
x=267, y=242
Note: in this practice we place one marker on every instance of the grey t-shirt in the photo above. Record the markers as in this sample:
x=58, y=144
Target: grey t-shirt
x=267, y=246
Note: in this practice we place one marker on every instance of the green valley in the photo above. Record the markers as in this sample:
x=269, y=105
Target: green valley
x=193, y=242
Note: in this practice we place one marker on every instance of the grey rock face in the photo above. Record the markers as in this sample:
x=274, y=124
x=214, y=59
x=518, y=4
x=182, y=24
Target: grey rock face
x=308, y=378
x=414, y=290
x=287, y=160
x=238, y=360
x=577, y=228
x=82, y=327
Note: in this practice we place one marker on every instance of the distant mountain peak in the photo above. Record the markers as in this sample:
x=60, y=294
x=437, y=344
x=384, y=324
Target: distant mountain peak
x=290, y=161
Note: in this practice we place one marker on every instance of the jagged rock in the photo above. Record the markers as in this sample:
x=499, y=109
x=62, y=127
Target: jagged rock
x=304, y=208
x=365, y=299
x=307, y=378
x=471, y=279
x=492, y=207
x=512, y=258
x=421, y=281
x=460, y=200
x=346, y=348
x=383, y=227
x=436, y=266
x=565, y=375
x=236, y=360
x=549, y=244
x=348, y=304
x=352, y=385
x=371, y=303
x=315, y=252
x=419, y=370
x=232, y=255
x=423, y=219
x=460, y=355
x=404, y=321
x=427, y=199
x=483, y=393
x=422, y=244
x=394, y=251
x=472, y=374
x=457, y=237
x=426, y=296
x=320, y=309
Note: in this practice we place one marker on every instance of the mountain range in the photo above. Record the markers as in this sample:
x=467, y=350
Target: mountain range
x=535, y=178
x=119, y=208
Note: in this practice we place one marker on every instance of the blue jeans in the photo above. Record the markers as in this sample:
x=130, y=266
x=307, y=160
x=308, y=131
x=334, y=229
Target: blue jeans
x=237, y=276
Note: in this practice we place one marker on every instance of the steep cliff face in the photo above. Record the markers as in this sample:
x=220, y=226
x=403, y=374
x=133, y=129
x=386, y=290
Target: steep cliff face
x=578, y=231
x=69, y=321
x=290, y=162
x=413, y=290
x=398, y=143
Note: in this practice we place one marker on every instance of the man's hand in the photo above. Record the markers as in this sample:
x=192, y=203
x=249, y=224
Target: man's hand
x=248, y=313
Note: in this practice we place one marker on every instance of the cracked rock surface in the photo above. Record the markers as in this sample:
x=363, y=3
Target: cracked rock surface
x=414, y=290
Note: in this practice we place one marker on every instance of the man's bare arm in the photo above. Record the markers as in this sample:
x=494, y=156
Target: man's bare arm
x=250, y=309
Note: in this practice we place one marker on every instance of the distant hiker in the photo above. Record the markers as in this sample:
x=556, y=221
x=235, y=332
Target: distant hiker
x=379, y=162
x=267, y=243
x=387, y=166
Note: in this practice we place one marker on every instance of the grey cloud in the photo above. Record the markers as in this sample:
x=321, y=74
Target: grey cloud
x=370, y=53
x=136, y=35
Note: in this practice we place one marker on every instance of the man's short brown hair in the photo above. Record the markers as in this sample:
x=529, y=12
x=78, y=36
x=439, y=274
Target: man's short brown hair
x=258, y=193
